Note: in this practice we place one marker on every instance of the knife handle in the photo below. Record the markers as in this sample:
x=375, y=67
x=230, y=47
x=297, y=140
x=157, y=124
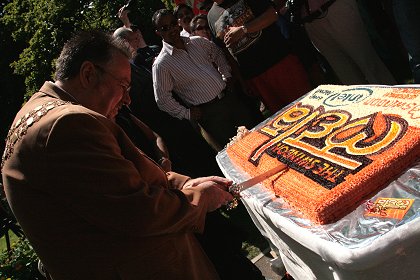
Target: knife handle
x=235, y=190
x=232, y=204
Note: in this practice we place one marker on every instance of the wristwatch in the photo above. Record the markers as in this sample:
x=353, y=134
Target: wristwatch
x=244, y=29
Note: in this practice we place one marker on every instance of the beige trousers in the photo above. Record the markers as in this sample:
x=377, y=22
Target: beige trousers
x=341, y=37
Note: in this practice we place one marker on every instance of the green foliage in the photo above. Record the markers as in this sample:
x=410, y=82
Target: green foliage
x=20, y=264
x=42, y=27
x=169, y=4
x=12, y=87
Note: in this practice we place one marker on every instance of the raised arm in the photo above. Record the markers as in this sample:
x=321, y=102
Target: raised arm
x=160, y=149
x=123, y=16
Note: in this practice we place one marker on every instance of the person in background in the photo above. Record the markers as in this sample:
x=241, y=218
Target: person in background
x=187, y=152
x=151, y=143
x=316, y=66
x=199, y=26
x=141, y=134
x=136, y=11
x=104, y=210
x=186, y=67
x=337, y=30
x=406, y=13
x=145, y=53
x=196, y=5
x=184, y=13
x=247, y=28
x=232, y=262
x=131, y=37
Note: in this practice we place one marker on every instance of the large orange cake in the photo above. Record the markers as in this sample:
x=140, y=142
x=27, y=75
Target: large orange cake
x=341, y=144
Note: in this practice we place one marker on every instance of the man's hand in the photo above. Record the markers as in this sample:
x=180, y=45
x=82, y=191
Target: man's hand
x=234, y=34
x=214, y=187
x=123, y=16
x=217, y=181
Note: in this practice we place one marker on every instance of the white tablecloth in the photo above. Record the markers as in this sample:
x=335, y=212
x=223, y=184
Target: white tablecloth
x=356, y=247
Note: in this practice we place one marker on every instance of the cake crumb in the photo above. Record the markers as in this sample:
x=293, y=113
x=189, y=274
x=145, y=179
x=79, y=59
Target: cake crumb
x=241, y=133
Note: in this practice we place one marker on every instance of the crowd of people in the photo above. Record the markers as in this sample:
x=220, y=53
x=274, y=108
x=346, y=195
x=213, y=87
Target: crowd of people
x=107, y=153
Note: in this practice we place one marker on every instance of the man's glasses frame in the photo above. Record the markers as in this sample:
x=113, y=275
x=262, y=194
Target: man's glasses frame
x=126, y=88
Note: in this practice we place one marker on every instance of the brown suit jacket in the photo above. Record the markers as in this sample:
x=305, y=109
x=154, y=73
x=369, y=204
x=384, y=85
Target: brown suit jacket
x=93, y=205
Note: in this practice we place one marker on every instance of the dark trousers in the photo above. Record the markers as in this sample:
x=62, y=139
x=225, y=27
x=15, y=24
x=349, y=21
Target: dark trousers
x=222, y=242
x=222, y=117
x=406, y=14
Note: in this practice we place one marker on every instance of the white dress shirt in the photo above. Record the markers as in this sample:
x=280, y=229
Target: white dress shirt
x=184, y=33
x=197, y=75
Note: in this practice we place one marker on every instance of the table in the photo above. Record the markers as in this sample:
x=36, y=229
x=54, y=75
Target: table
x=355, y=247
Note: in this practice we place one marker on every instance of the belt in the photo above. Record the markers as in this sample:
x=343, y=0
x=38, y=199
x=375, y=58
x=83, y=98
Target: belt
x=324, y=7
x=216, y=99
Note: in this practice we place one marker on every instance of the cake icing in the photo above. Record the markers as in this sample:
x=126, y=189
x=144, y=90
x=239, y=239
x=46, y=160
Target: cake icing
x=341, y=143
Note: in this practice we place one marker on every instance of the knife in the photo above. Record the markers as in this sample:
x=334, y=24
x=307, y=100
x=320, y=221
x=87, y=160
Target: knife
x=237, y=188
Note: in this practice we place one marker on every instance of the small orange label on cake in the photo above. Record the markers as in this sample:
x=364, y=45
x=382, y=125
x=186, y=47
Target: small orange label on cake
x=385, y=207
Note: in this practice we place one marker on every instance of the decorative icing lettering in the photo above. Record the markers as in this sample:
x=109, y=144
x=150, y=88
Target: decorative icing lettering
x=415, y=112
x=389, y=103
x=400, y=95
x=328, y=145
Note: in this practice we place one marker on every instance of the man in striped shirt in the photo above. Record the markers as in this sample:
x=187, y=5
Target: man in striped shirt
x=192, y=80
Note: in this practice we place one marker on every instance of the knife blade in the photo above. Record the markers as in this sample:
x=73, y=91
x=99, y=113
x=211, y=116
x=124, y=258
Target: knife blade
x=237, y=188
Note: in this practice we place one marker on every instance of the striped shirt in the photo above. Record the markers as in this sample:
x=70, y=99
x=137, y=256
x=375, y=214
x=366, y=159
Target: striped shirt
x=191, y=74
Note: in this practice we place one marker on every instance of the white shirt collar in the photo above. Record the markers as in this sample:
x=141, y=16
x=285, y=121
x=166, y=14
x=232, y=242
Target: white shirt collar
x=170, y=49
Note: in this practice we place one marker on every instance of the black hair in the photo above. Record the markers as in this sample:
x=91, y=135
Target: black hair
x=193, y=23
x=181, y=6
x=158, y=14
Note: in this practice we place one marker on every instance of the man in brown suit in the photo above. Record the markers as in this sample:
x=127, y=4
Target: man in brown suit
x=92, y=205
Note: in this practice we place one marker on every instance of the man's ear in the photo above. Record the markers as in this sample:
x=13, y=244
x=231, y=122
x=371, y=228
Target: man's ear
x=88, y=74
x=157, y=33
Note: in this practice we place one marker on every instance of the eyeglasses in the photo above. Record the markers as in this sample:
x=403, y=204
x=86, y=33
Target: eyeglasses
x=168, y=27
x=202, y=27
x=126, y=88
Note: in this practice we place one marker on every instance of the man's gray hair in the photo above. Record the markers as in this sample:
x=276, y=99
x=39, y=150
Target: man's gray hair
x=95, y=46
x=122, y=32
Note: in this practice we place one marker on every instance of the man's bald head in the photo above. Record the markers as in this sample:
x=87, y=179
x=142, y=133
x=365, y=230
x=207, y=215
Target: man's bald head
x=123, y=33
